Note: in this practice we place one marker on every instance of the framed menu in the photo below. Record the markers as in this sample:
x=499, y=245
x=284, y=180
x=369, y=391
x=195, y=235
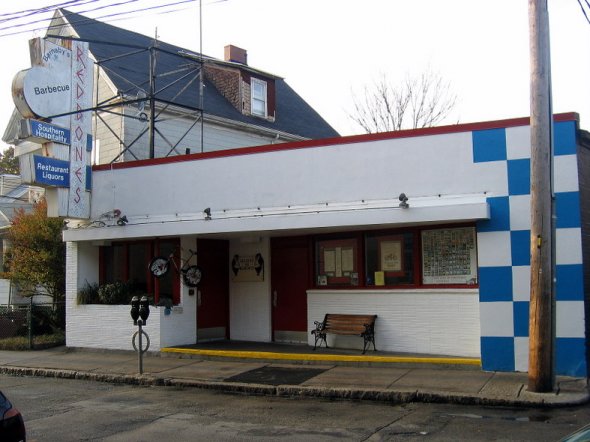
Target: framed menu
x=391, y=255
x=337, y=262
x=449, y=256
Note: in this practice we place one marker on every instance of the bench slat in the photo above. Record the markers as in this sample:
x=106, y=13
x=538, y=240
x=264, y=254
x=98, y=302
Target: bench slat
x=344, y=332
x=350, y=317
x=345, y=326
x=349, y=321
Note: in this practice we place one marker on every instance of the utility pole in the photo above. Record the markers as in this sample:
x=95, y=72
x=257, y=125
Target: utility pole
x=541, y=327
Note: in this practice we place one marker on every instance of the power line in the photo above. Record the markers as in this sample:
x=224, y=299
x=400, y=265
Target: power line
x=27, y=12
x=127, y=14
x=583, y=10
x=20, y=25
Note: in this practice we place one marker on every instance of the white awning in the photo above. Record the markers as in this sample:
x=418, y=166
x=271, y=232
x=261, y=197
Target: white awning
x=294, y=219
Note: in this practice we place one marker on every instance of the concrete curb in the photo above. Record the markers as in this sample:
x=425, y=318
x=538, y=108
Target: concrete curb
x=536, y=400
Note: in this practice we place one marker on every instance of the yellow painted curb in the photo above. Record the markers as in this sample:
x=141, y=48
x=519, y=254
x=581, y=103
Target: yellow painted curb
x=322, y=357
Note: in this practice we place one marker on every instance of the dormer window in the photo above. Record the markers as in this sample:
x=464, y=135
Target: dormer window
x=250, y=91
x=259, y=98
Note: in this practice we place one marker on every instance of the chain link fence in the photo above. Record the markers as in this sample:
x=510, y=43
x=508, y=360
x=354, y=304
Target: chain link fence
x=29, y=326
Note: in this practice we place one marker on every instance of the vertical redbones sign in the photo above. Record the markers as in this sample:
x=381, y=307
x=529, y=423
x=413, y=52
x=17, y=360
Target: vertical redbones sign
x=80, y=126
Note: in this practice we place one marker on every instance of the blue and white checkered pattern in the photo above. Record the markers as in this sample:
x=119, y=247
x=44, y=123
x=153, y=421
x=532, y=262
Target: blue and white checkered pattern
x=504, y=253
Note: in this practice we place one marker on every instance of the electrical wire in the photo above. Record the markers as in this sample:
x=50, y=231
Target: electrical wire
x=28, y=12
x=583, y=10
x=20, y=25
x=150, y=8
x=125, y=14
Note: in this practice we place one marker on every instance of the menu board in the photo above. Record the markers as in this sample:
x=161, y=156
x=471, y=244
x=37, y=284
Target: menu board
x=391, y=256
x=449, y=256
x=337, y=262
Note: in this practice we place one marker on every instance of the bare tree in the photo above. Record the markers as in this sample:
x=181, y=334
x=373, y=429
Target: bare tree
x=417, y=102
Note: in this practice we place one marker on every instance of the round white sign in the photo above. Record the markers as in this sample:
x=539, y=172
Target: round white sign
x=47, y=92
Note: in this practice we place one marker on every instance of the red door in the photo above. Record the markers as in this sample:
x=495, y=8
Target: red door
x=290, y=278
x=213, y=290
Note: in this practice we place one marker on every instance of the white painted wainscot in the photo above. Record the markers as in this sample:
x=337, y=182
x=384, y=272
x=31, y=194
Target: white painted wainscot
x=423, y=321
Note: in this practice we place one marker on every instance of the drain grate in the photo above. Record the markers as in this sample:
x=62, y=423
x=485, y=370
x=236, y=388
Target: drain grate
x=276, y=375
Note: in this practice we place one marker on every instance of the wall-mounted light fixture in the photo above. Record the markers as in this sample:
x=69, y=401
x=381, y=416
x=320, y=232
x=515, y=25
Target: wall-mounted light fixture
x=207, y=213
x=403, y=201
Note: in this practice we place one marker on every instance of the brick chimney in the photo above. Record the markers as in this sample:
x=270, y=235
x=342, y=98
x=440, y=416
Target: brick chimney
x=235, y=54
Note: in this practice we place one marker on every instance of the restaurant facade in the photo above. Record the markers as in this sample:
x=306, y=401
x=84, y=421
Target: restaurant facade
x=428, y=229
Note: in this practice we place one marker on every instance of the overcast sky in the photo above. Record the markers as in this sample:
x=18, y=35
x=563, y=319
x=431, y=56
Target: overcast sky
x=327, y=48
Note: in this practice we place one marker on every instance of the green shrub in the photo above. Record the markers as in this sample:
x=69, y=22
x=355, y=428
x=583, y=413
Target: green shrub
x=114, y=293
x=88, y=294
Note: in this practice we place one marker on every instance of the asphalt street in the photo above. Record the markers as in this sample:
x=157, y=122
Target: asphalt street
x=74, y=410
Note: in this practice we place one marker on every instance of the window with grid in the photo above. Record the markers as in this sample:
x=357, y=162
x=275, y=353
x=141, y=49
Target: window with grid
x=259, y=97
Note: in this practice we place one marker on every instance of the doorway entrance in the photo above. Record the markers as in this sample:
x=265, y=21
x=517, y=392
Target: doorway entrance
x=213, y=291
x=290, y=279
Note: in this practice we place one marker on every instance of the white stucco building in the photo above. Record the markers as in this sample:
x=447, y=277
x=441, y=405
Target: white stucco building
x=447, y=275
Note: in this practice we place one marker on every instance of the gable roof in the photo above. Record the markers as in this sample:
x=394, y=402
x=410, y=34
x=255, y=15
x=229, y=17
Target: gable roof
x=293, y=114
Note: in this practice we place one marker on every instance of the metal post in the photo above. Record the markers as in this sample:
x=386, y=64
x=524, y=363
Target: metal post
x=140, y=308
x=541, y=327
x=140, y=350
x=30, y=322
x=152, y=102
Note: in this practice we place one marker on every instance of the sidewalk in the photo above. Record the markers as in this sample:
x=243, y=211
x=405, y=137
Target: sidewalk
x=264, y=374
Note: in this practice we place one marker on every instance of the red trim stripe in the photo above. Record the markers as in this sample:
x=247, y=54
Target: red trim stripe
x=325, y=142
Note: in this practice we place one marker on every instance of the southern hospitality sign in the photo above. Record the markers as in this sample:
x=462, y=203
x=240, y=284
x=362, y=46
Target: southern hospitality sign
x=42, y=132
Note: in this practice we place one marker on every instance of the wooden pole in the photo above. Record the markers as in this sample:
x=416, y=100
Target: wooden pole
x=541, y=303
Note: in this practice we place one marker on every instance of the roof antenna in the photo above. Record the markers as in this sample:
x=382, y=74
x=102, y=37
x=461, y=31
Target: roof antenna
x=152, y=94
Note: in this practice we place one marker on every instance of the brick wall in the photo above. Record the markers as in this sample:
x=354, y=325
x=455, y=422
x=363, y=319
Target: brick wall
x=246, y=90
x=234, y=85
x=227, y=82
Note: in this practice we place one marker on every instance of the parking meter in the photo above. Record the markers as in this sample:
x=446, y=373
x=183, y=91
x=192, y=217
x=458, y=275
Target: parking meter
x=144, y=309
x=135, y=309
x=140, y=309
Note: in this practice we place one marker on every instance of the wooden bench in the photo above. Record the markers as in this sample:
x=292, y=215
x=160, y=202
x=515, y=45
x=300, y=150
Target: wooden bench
x=340, y=324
